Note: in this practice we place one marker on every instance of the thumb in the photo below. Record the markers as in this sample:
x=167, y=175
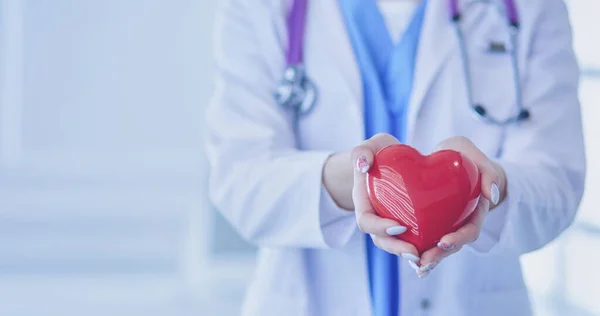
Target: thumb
x=489, y=181
x=489, y=176
x=363, y=155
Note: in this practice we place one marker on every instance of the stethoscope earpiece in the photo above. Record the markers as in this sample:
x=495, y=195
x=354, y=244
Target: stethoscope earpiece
x=524, y=115
x=480, y=110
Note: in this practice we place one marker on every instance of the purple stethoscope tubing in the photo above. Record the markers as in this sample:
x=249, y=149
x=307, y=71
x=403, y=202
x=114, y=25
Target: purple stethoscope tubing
x=511, y=11
x=295, y=91
x=296, y=24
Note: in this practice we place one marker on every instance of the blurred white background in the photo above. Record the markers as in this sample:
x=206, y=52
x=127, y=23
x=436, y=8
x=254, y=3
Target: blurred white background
x=102, y=176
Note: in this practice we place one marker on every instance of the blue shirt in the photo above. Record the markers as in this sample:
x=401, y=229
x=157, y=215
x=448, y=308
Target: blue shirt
x=387, y=72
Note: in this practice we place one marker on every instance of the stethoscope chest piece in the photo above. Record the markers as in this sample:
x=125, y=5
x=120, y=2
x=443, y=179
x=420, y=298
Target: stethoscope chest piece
x=296, y=91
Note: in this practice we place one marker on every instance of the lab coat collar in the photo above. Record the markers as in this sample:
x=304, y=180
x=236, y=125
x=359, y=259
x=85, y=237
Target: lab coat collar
x=329, y=23
x=437, y=41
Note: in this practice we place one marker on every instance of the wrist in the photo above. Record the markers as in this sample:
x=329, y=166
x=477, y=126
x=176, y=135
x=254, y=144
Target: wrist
x=338, y=179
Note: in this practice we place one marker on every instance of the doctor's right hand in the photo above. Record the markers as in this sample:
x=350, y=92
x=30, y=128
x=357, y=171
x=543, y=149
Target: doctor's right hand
x=381, y=230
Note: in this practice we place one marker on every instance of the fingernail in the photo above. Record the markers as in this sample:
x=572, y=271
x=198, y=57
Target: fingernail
x=423, y=275
x=445, y=246
x=362, y=164
x=396, y=230
x=495, y=194
x=428, y=267
x=410, y=257
x=414, y=266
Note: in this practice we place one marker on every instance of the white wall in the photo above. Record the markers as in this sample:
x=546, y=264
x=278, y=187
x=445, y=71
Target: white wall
x=101, y=160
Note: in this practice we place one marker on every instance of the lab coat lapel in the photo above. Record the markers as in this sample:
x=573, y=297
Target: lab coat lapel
x=329, y=35
x=437, y=41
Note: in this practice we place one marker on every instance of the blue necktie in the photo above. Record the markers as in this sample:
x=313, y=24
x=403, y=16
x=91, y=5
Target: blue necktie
x=387, y=75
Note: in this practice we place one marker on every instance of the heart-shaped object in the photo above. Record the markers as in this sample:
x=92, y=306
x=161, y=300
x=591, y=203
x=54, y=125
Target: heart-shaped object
x=431, y=195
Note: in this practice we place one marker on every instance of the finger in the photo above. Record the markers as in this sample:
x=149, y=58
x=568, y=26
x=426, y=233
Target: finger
x=366, y=218
x=489, y=176
x=413, y=265
x=360, y=197
x=469, y=232
x=362, y=155
x=432, y=257
x=489, y=181
x=380, y=141
x=397, y=247
x=368, y=222
x=453, y=242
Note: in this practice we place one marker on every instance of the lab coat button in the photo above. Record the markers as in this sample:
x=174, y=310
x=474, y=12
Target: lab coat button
x=425, y=304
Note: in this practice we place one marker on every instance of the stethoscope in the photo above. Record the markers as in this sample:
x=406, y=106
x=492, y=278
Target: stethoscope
x=297, y=93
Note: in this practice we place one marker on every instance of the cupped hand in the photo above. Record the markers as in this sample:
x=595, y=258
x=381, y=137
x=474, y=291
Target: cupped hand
x=493, y=183
x=381, y=230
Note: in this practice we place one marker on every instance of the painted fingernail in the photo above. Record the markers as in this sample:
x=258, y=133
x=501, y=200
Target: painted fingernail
x=428, y=267
x=362, y=164
x=414, y=266
x=495, y=194
x=445, y=246
x=423, y=275
x=410, y=257
x=396, y=230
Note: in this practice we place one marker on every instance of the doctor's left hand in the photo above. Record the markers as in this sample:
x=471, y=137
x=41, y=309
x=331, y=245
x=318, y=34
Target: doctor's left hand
x=493, y=188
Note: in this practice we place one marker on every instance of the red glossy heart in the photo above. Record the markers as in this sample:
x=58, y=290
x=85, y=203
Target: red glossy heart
x=431, y=195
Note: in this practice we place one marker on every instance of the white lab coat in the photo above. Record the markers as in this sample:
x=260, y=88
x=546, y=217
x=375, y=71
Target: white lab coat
x=311, y=259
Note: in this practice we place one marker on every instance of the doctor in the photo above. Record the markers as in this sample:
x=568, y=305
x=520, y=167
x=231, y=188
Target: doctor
x=496, y=81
